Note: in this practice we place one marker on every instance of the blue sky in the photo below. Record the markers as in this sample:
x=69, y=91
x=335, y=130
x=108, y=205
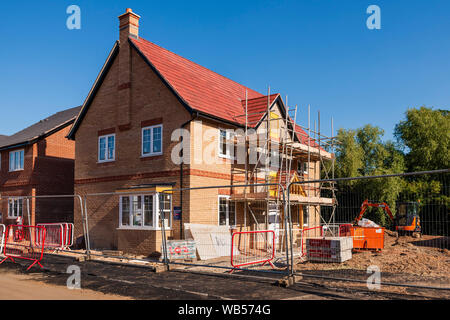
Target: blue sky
x=318, y=52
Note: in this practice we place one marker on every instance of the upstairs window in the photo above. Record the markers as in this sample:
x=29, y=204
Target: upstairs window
x=152, y=140
x=226, y=146
x=107, y=148
x=16, y=160
x=15, y=208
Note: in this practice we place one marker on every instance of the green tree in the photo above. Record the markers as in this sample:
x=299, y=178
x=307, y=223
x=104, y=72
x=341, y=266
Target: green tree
x=349, y=154
x=374, y=153
x=425, y=136
x=362, y=152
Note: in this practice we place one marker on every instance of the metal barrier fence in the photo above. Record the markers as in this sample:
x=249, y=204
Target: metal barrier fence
x=252, y=248
x=53, y=237
x=307, y=233
x=59, y=236
x=2, y=237
x=193, y=227
x=55, y=211
x=68, y=235
x=214, y=217
x=398, y=224
x=63, y=217
x=123, y=225
x=20, y=243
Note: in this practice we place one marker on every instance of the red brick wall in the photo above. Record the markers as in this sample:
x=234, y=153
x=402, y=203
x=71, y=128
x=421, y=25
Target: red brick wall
x=48, y=170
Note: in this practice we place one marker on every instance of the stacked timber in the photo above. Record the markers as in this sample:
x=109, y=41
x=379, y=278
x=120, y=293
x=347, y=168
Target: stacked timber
x=332, y=249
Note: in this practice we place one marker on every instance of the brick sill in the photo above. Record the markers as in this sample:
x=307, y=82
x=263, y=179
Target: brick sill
x=106, y=163
x=155, y=157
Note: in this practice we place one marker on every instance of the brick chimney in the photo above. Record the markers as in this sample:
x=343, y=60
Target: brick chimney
x=129, y=25
x=128, y=28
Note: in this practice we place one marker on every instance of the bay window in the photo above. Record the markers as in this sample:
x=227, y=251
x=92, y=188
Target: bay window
x=144, y=211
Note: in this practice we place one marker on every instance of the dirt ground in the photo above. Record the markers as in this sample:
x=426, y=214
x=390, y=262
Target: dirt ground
x=15, y=286
x=119, y=281
x=406, y=260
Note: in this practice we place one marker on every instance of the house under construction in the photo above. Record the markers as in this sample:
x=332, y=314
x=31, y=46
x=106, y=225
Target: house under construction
x=278, y=151
x=125, y=145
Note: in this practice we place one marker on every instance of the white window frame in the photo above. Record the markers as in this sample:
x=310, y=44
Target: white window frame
x=15, y=207
x=12, y=164
x=156, y=213
x=305, y=209
x=151, y=153
x=106, y=137
x=227, y=212
x=228, y=136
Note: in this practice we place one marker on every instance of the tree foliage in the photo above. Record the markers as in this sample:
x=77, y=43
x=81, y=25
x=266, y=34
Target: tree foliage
x=425, y=137
x=422, y=143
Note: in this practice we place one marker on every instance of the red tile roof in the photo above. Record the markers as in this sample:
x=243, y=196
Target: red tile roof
x=304, y=138
x=207, y=91
x=202, y=89
x=256, y=109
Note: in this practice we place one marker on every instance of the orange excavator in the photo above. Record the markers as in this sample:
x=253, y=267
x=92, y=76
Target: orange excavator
x=406, y=221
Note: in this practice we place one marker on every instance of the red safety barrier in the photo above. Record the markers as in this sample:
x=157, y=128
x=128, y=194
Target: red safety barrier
x=2, y=236
x=252, y=247
x=68, y=240
x=20, y=243
x=309, y=233
x=59, y=236
x=54, y=236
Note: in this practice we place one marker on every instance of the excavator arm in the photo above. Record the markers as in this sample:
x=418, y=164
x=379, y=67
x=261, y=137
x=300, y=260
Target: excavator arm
x=367, y=204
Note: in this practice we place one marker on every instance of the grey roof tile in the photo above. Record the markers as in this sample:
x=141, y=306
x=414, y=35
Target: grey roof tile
x=40, y=128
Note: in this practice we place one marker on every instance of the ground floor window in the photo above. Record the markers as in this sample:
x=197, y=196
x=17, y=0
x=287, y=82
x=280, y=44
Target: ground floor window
x=143, y=211
x=15, y=207
x=227, y=211
x=305, y=216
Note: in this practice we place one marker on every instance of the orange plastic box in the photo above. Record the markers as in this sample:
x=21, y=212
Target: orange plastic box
x=368, y=238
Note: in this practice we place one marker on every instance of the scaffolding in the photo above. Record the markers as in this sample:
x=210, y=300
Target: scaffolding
x=280, y=138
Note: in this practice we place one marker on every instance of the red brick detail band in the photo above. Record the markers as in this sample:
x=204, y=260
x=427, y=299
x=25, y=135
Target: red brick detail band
x=151, y=122
x=160, y=174
x=125, y=127
x=106, y=131
x=124, y=86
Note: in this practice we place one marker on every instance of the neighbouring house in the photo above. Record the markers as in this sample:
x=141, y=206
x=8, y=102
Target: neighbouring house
x=38, y=161
x=124, y=147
